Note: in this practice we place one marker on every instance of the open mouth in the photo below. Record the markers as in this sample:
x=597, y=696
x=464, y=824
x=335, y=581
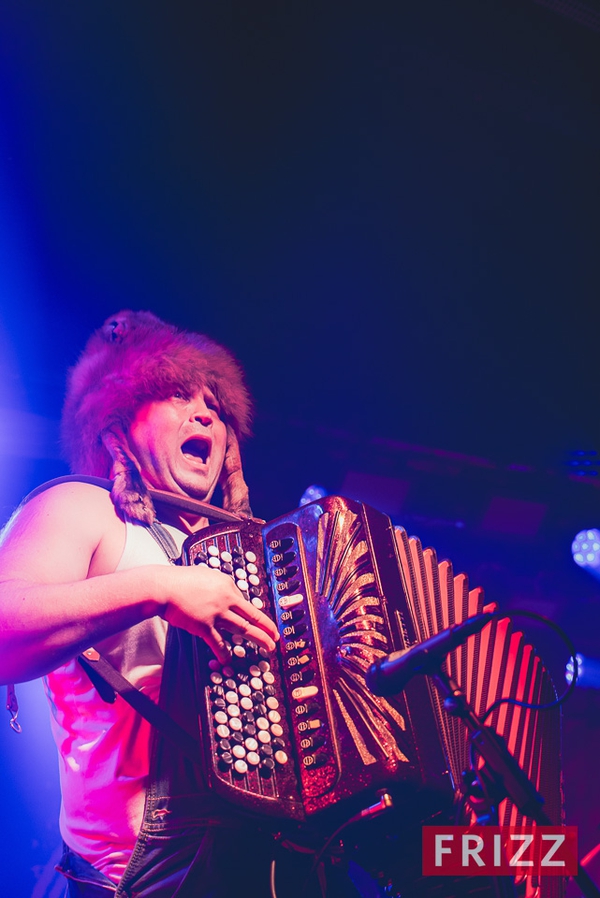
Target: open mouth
x=197, y=448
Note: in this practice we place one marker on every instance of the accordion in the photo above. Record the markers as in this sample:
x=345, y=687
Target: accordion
x=293, y=734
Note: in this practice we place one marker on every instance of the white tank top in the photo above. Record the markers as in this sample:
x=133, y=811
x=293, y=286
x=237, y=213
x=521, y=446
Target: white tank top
x=104, y=749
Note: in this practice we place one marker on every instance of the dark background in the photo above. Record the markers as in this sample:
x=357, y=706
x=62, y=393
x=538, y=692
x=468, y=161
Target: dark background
x=389, y=212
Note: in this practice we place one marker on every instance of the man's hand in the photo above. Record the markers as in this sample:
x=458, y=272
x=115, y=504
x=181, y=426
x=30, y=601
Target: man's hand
x=206, y=602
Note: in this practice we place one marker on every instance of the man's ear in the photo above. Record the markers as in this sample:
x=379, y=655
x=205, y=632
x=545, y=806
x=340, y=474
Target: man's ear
x=129, y=493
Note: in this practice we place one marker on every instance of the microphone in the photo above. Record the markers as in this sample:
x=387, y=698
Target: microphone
x=391, y=674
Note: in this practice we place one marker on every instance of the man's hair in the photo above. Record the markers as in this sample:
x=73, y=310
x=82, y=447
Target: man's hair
x=136, y=358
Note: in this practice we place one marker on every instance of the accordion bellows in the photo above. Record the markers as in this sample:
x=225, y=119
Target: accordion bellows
x=299, y=734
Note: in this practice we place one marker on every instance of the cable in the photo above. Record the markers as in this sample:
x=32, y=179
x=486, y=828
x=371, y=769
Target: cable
x=558, y=701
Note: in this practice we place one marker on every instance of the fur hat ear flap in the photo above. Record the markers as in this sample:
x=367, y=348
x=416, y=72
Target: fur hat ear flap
x=235, y=490
x=129, y=493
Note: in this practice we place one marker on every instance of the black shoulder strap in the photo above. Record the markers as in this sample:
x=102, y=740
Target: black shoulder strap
x=184, y=503
x=102, y=674
x=110, y=683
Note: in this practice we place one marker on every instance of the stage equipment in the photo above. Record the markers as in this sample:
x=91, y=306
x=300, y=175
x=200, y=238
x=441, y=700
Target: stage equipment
x=586, y=551
x=588, y=672
x=299, y=735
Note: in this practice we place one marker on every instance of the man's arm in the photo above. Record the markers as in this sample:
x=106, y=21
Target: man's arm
x=59, y=593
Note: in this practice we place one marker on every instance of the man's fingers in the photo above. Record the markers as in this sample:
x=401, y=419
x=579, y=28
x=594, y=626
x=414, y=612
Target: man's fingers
x=234, y=623
x=257, y=618
x=217, y=645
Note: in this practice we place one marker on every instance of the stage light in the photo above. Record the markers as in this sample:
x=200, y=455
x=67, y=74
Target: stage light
x=588, y=672
x=586, y=551
x=312, y=493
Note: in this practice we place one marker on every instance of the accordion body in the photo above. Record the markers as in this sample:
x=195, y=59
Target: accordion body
x=292, y=735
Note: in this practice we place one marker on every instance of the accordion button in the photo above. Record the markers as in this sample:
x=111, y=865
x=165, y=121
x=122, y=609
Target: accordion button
x=314, y=761
x=262, y=723
x=246, y=703
x=263, y=736
x=277, y=729
x=214, y=562
x=274, y=716
x=219, y=704
x=272, y=703
x=222, y=731
x=233, y=710
x=216, y=678
x=255, y=591
x=231, y=697
x=258, y=603
x=237, y=739
x=302, y=692
x=226, y=760
x=281, y=757
x=251, y=557
x=266, y=751
x=227, y=568
x=213, y=550
x=226, y=557
x=253, y=580
x=290, y=601
x=242, y=584
x=244, y=689
x=241, y=767
x=266, y=767
x=253, y=758
x=250, y=729
x=230, y=684
x=238, y=751
x=235, y=723
x=268, y=677
x=251, y=744
x=254, y=670
x=312, y=742
x=228, y=671
x=239, y=651
x=282, y=544
x=221, y=717
x=256, y=683
x=288, y=586
x=251, y=568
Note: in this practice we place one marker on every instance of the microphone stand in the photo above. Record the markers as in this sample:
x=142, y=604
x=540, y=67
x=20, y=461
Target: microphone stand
x=504, y=777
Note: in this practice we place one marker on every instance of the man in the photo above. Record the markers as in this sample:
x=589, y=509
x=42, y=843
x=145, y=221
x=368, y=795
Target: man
x=149, y=407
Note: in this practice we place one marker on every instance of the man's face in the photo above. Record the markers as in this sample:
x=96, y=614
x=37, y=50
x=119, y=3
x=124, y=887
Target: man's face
x=180, y=443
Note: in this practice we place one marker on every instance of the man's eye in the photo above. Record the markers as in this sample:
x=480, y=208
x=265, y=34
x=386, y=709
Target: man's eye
x=179, y=394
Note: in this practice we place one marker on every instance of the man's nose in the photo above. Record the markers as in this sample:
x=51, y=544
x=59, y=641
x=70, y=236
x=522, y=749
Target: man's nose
x=200, y=412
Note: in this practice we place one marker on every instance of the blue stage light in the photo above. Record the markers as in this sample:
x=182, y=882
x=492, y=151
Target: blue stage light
x=586, y=551
x=312, y=493
x=588, y=672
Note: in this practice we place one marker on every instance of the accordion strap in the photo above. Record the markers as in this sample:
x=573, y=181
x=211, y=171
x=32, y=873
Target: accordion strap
x=109, y=681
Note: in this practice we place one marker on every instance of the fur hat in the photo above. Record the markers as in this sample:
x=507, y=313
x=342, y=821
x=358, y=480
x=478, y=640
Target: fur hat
x=132, y=359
